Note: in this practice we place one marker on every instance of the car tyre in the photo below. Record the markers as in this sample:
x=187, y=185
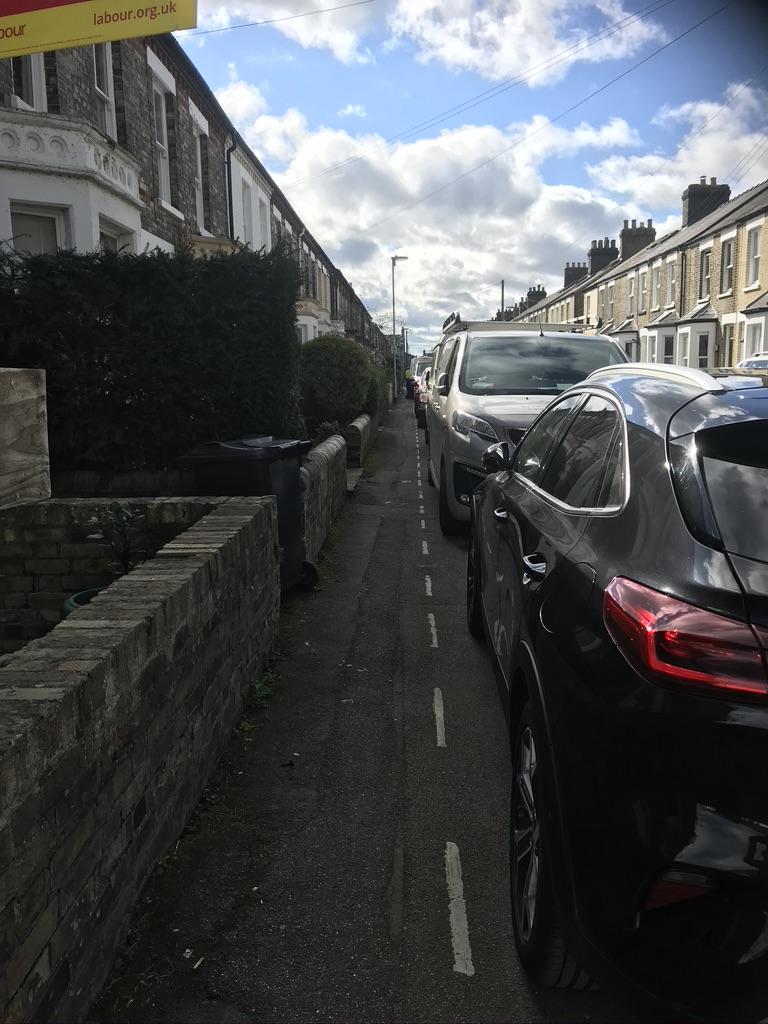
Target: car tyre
x=448, y=524
x=536, y=922
x=474, y=579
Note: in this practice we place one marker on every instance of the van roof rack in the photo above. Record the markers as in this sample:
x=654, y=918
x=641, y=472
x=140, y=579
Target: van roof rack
x=454, y=323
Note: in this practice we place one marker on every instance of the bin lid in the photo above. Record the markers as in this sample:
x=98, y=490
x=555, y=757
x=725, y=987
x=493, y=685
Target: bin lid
x=244, y=449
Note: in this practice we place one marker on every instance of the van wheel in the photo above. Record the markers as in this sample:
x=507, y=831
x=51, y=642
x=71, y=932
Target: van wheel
x=535, y=919
x=448, y=524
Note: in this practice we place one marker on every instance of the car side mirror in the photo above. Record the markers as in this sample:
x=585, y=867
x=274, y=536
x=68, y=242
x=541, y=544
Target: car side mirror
x=442, y=384
x=498, y=458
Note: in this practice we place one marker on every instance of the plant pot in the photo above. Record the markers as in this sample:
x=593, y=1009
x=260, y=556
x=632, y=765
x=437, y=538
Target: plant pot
x=80, y=599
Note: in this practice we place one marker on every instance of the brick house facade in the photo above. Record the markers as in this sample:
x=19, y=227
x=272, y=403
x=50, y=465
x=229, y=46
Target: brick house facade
x=123, y=145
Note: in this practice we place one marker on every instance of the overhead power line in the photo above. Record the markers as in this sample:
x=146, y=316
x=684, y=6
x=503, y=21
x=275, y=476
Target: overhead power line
x=277, y=21
x=550, y=122
x=488, y=94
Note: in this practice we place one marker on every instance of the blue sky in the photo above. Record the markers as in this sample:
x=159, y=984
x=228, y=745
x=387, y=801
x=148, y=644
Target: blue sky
x=313, y=91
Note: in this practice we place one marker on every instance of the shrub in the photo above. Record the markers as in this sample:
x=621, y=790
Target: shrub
x=335, y=377
x=378, y=394
x=148, y=355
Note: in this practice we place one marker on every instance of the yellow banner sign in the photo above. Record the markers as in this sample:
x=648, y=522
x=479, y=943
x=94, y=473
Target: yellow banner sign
x=32, y=26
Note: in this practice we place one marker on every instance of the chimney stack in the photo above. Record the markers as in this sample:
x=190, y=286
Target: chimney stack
x=535, y=294
x=574, y=272
x=636, y=238
x=702, y=198
x=601, y=254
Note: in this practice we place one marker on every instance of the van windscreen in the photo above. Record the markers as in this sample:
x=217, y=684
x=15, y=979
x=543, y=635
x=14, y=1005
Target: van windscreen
x=531, y=364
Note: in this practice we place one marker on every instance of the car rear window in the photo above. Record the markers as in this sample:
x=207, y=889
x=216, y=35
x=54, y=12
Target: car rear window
x=734, y=461
x=531, y=364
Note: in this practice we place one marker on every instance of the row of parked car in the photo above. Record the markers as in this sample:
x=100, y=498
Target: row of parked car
x=618, y=571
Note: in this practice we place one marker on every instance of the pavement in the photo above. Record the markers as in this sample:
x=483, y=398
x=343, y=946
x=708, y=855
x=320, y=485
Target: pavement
x=349, y=859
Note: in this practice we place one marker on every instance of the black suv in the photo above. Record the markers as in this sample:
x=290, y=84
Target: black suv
x=618, y=564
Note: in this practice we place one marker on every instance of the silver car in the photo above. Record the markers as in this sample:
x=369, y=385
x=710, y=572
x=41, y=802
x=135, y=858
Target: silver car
x=490, y=380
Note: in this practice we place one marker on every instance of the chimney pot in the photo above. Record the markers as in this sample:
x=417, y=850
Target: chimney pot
x=703, y=179
x=605, y=240
x=634, y=223
x=713, y=181
x=594, y=243
x=626, y=224
x=650, y=222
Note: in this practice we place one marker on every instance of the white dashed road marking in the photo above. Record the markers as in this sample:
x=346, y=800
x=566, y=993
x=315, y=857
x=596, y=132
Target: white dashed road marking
x=424, y=548
x=432, y=628
x=423, y=524
x=437, y=704
x=428, y=585
x=457, y=908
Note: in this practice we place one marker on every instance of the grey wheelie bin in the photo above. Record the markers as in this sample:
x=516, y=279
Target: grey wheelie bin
x=259, y=466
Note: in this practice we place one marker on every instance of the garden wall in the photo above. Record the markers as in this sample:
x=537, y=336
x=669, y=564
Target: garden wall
x=53, y=549
x=110, y=726
x=324, y=491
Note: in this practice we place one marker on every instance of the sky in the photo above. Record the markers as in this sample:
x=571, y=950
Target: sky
x=486, y=140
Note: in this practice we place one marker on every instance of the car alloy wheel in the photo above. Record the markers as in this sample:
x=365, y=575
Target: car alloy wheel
x=536, y=921
x=526, y=837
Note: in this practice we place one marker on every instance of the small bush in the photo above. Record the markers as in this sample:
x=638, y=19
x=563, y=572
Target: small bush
x=324, y=431
x=378, y=394
x=335, y=380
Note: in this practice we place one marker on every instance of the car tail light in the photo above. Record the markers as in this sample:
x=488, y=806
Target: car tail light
x=670, y=641
x=677, y=886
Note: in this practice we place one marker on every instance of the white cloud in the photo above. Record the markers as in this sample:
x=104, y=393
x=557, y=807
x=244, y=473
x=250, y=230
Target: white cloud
x=497, y=39
x=718, y=143
x=507, y=38
x=502, y=221
x=353, y=110
x=340, y=31
x=242, y=101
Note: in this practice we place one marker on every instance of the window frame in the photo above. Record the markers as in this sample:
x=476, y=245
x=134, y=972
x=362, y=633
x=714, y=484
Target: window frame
x=671, y=282
x=199, y=181
x=726, y=289
x=642, y=293
x=753, y=257
x=656, y=288
x=58, y=214
x=608, y=510
x=630, y=296
x=247, y=191
x=705, y=261
x=160, y=145
x=105, y=100
x=36, y=70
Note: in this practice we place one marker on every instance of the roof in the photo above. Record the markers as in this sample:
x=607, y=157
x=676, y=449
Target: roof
x=758, y=305
x=667, y=318
x=701, y=313
x=751, y=202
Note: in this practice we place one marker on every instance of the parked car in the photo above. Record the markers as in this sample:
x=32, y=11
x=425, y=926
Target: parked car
x=758, y=361
x=490, y=380
x=618, y=566
x=421, y=396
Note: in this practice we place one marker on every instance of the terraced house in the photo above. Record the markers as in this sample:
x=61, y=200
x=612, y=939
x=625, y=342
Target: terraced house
x=696, y=297
x=123, y=146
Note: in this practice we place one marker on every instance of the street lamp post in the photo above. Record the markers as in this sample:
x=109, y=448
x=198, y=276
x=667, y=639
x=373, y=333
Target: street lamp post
x=394, y=328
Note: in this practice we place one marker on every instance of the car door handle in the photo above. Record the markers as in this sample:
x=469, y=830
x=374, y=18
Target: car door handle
x=535, y=564
x=501, y=513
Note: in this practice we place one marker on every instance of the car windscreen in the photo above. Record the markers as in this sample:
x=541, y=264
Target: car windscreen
x=531, y=364
x=734, y=462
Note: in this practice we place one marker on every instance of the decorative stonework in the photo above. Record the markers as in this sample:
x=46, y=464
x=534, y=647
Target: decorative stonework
x=46, y=142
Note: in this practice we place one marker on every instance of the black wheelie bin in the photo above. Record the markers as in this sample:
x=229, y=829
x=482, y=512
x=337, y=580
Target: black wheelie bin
x=259, y=466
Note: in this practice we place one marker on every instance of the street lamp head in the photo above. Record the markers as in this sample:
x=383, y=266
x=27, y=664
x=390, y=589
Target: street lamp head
x=395, y=258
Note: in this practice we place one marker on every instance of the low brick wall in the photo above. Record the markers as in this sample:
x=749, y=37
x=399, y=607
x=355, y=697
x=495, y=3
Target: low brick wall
x=135, y=483
x=324, y=491
x=53, y=549
x=359, y=435
x=109, y=728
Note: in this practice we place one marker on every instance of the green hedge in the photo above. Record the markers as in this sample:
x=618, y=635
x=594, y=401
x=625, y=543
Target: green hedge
x=335, y=380
x=148, y=355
